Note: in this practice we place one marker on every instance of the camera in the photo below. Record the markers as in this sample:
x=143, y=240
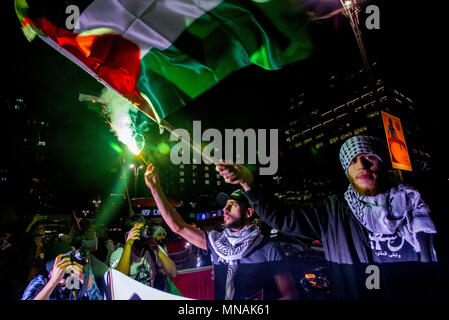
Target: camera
x=146, y=232
x=80, y=256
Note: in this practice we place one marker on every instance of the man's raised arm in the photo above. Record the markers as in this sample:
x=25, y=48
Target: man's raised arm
x=173, y=219
x=304, y=221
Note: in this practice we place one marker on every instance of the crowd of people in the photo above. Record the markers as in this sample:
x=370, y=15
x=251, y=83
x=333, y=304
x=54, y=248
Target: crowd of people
x=37, y=267
x=377, y=239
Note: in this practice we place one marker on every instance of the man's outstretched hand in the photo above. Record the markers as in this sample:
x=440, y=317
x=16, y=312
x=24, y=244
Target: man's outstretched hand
x=235, y=174
x=151, y=177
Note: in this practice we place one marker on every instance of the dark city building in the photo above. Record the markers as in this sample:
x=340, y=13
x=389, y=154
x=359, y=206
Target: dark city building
x=25, y=168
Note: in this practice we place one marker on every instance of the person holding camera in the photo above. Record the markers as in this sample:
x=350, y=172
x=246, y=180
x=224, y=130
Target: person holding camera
x=63, y=280
x=141, y=257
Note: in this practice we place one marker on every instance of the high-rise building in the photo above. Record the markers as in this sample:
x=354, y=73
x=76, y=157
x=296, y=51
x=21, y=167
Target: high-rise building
x=24, y=165
x=195, y=185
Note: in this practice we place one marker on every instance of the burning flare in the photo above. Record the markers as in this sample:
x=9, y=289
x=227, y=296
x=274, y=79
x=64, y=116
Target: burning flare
x=120, y=113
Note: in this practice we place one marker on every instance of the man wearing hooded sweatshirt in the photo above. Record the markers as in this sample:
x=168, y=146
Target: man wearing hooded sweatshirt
x=247, y=266
x=377, y=236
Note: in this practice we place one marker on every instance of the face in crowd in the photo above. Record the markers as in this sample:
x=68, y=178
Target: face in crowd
x=365, y=172
x=91, y=232
x=161, y=236
x=236, y=215
x=39, y=231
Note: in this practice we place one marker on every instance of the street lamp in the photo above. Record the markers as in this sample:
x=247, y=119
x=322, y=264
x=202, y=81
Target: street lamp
x=136, y=174
x=351, y=9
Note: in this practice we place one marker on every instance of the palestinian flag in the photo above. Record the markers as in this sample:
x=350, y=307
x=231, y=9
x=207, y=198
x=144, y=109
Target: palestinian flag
x=159, y=54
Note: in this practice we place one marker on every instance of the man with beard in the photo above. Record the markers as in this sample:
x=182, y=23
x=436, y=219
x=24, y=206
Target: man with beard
x=247, y=266
x=140, y=257
x=377, y=237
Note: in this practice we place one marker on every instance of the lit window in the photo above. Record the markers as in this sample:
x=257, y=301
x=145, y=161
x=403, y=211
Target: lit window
x=206, y=182
x=346, y=135
x=307, y=141
x=333, y=140
x=181, y=180
x=372, y=114
x=360, y=130
x=181, y=173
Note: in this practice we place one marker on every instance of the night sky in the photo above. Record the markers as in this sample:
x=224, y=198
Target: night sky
x=407, y=49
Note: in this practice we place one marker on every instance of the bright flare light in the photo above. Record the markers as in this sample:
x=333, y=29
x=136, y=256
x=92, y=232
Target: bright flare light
x=118, y=110
x=122, y=126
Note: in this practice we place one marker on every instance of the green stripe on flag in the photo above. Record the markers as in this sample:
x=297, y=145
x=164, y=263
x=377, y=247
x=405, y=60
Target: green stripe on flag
x=231, y=36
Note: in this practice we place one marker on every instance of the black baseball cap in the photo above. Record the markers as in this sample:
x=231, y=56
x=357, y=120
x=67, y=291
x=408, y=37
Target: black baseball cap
x=222, y=197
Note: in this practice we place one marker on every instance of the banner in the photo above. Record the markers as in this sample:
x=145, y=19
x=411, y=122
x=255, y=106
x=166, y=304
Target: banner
x=396, y=142
x=123, y=287
x=114, y=285
x=196, y=283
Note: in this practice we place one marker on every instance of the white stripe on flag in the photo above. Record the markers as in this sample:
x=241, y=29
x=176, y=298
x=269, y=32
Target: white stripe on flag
x=148, y=23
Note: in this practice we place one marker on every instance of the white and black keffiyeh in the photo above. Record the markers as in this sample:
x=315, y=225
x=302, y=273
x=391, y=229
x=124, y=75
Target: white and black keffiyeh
x=399, y=209
x=360, y=144
x=231, y=246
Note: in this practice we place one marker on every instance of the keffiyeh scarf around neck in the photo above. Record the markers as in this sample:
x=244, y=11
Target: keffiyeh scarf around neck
x=231, y=246
x=399, y=209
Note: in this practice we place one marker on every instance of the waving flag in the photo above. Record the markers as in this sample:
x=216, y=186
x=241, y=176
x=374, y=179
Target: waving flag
x=160, y=54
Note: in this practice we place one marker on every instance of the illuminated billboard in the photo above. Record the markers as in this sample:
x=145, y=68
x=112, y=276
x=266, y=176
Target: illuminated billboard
x=396, y=142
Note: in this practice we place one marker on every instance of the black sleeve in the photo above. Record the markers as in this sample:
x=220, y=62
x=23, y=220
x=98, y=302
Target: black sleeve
x=428, y=253
x=278, y=261
x=304, y=221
